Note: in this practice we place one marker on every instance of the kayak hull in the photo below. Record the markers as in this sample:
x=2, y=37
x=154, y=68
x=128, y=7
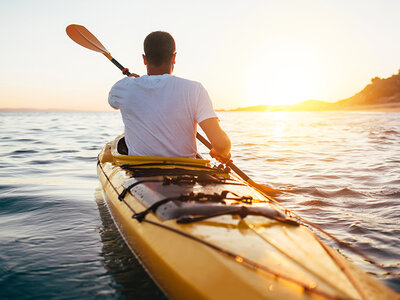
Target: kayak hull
x=225, y=257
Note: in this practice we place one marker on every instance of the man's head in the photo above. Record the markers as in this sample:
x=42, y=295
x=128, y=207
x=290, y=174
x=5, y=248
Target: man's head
x=159, y=49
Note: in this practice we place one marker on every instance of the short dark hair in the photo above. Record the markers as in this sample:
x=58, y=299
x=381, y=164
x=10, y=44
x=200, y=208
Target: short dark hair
x=159, y=46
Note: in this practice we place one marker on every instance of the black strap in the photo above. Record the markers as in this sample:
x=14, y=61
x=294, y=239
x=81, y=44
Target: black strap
x=202, y=197
x=241, y=211
x=127, y=189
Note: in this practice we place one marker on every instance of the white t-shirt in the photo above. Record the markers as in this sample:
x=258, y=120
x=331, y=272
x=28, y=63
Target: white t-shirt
x=161, y=113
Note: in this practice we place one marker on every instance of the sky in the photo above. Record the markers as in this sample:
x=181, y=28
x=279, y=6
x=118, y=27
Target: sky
x=244, y=52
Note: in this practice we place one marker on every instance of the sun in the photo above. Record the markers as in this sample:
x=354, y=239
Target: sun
x=282, y=72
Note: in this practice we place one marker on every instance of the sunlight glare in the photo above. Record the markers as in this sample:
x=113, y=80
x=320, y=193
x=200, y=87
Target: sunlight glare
x=283, y=71
x=280, y=119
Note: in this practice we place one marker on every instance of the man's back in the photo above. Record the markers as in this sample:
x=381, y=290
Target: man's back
x=160, y=113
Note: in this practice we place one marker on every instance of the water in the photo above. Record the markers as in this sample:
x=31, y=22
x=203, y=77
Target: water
x=58, y=241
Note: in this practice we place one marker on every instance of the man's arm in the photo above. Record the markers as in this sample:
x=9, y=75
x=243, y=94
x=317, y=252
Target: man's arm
x=218, y=138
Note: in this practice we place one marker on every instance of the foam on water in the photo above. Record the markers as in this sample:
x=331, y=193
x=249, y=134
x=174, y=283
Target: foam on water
x=57, y=239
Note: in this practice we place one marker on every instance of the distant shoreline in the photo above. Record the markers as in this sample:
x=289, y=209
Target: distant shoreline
x=387, y=107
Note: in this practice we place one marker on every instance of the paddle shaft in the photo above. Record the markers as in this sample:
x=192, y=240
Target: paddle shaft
x=229, y=164
x=124, y=70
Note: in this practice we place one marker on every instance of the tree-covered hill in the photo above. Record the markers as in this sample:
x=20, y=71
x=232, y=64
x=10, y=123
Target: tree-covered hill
x=378, y=91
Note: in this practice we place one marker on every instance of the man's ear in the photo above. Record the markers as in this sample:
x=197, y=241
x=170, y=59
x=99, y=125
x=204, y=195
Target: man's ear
x=144, y=59
x=173, y=58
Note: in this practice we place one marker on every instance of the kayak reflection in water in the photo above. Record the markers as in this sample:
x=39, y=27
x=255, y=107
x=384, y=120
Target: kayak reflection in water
x=161, y=111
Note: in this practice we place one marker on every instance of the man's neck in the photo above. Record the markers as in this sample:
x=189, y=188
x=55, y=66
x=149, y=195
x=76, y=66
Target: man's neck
x=160, y=70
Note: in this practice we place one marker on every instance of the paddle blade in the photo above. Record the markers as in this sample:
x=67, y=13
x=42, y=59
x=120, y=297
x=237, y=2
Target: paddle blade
x=83, y=37
x=263, y=188
x=268, y=190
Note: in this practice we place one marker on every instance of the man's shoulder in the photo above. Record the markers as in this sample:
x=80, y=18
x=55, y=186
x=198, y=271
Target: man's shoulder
x=187, y=82
x=124, y=81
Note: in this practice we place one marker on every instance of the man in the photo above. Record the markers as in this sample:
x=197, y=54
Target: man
x=161, y=112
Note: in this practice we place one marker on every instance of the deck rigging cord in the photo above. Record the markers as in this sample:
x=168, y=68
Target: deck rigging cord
x=331, y=236
x=200, y=213
x=287, y=254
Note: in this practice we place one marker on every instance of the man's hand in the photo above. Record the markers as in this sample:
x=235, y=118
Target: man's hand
x=220, y=157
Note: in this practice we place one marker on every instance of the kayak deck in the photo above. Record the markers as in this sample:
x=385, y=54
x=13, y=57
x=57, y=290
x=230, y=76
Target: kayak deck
x=202, y=233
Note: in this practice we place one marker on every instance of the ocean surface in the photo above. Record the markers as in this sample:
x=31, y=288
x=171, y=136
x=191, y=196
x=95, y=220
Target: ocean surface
x=57, y=241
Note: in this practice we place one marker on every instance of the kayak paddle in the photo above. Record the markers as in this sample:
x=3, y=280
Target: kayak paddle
x=80, y=35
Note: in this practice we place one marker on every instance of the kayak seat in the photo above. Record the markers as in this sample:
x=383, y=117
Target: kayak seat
x=121, y=147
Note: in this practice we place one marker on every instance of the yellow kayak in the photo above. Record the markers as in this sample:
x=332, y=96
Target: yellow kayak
x=203, y=233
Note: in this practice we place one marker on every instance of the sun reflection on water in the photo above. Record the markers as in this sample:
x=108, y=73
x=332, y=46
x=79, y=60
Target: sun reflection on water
x=280, y=119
